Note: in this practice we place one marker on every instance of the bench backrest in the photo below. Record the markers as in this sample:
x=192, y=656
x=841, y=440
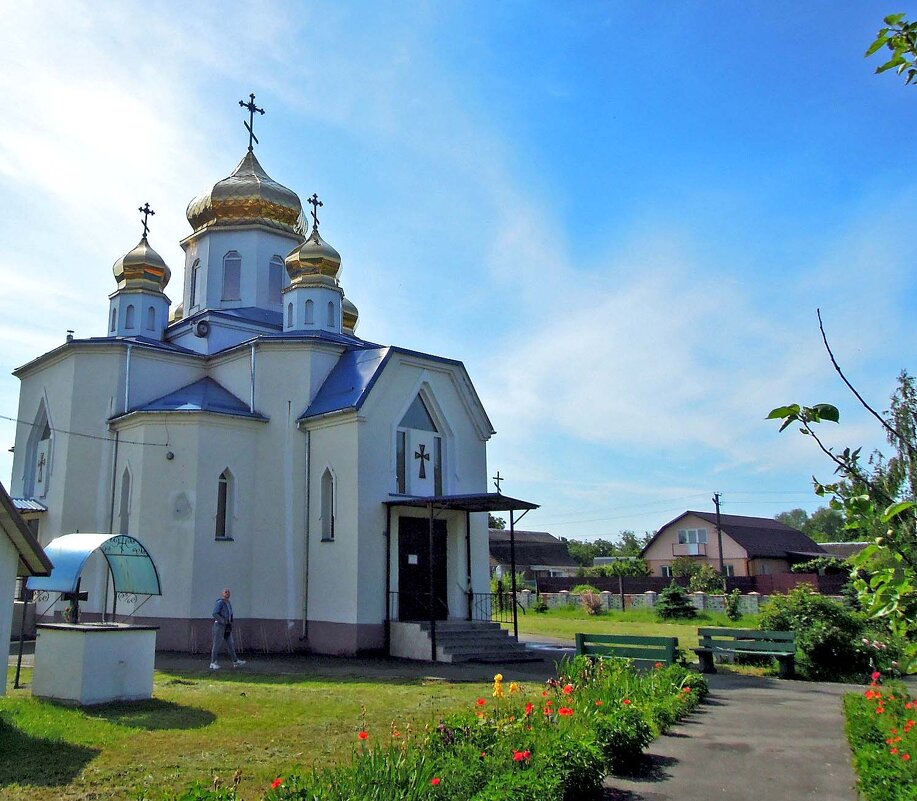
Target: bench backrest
x=747, y=640
x=650, y=649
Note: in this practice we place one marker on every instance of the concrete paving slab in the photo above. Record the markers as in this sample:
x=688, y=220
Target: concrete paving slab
x=754, y=738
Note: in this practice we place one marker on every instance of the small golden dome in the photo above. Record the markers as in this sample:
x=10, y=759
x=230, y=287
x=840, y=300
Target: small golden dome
x=350, y=316
x=248, y=196
x=314, y=262
x=142, y=268
x=178, y=313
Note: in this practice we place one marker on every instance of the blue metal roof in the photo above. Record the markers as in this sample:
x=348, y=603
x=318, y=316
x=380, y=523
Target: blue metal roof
x=132, y=569
x=28, y=505
x=205, y=395
x=349, y=382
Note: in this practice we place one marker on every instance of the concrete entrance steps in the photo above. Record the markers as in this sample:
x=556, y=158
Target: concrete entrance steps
x=476, y=641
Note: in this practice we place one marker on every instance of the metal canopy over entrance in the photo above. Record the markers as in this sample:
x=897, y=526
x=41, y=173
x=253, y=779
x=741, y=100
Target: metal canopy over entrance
x=476, y=503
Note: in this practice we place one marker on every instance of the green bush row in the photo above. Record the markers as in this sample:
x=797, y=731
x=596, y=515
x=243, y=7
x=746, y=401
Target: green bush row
x=551, y=743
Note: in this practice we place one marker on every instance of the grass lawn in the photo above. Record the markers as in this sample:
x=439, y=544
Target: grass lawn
x=199, y=726
x=564, y=623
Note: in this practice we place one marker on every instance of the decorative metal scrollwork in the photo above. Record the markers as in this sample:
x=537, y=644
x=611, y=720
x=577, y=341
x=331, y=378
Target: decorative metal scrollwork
x=128, y=597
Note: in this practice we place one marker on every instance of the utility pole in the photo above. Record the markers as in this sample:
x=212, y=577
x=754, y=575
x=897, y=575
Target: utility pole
x=719, y=532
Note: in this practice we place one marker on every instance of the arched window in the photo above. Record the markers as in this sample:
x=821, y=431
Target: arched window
x=150, y=318
x=124, y=510
x=232, y=276
x=38, y=459
x=310, y=313
x=331, y=320
x=196, y=288
x=225, y=487
x=275, y=280
x=289, y=315
x=114, y=319
x=129, y=316
x=327, y=505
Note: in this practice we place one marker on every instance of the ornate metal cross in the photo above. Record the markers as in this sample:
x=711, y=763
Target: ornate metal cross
x=41, y=466
x=421, y=454
x=147, y=212
x=316, y=205
x=250, y=125
x=497, y=479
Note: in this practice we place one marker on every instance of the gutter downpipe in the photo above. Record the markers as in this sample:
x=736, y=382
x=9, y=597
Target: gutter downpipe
x=432, y=610
x=305, y=572
x=388, y=580
x=251, y=402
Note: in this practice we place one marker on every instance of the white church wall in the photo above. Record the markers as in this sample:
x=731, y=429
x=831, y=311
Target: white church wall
x=9, y=560
x=155, y=373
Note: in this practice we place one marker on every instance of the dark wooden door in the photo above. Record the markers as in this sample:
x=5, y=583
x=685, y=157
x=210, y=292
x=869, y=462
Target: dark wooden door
x=414, y=569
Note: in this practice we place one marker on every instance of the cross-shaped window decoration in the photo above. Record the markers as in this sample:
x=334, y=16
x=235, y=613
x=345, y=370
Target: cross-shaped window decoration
x=421, y=454
x=41, y=466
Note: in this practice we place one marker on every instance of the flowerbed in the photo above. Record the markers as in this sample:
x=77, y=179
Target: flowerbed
x=881, y=731
x=551, y=743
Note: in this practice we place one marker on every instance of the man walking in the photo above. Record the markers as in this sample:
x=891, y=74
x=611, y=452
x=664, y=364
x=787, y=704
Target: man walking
x=222, y=632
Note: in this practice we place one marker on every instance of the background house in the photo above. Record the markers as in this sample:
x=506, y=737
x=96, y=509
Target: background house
x=538, y=554
x=20, y=555
x=752, y=546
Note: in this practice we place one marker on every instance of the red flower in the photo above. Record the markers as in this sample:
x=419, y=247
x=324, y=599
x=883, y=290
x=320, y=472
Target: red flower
x=363, y=735
x=435, y=780
x=568, y=689
x=686, y=690
x=518, y=756
x=894, y=750
x=527, y=754
x=876, y=676
x=483, y=755
x=481, y=702
x=529, y=708
x=906, y=757
x=626, y=702
x=600, y=703
x=659, y=665
x=276, y=783
x=565, y=711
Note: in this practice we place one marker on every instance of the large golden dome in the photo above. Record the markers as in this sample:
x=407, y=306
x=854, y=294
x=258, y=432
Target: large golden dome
x=314, y=262
x=142, y=268
x=248, y=196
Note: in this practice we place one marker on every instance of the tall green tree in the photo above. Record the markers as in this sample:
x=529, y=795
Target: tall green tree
x=796, y=518
x=899, y=37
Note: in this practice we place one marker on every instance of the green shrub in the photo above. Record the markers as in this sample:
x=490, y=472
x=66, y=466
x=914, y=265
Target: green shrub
x=541, y=605
x=673, y=603
x=579, y=589
x=828, y=634
x=706, y=579
x=622, y=734
x=733, y=612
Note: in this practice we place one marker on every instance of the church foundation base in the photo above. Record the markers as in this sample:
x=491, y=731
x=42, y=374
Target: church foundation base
x=345, y=639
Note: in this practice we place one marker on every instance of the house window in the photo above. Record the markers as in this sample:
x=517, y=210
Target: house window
x=129, y=317
x=124, y=511
x=692, y=536
x=666, y=571
x=327, y=499
x=310, y=313
x=275, y=280
x=401, y=466
x=224, y=506
x=114, y=320
x=196, y=277
x=331, y=320
x=232, y=276
x=151, y=319
x=730, y=569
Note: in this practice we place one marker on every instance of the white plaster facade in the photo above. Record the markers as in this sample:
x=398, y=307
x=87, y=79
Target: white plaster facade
x=232, y=428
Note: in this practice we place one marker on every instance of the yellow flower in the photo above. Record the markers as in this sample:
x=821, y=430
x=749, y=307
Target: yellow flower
x=515, y=688
x=498, y=689
x=498, y=678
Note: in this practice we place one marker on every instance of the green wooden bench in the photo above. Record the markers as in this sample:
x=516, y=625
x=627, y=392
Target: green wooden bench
x=650, y=649
x=779, y=644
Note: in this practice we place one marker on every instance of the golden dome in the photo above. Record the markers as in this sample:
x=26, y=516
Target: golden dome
x=142, y=268
x=248, y=196
x=178, y=313
x=350, y=316
x=314, y=262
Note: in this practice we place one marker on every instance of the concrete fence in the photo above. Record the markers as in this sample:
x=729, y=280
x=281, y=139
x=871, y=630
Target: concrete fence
x=749, y=603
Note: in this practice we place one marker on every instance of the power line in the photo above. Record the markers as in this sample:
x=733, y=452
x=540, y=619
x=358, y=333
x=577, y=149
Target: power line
x=86, y=436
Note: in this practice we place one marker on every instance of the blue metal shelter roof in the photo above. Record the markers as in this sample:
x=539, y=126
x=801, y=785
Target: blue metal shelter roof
x=349, y=382
x=132, y=569
x=205, y=395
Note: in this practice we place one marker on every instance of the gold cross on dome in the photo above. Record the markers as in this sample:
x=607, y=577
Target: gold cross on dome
x=147, y=212
x=250, y=125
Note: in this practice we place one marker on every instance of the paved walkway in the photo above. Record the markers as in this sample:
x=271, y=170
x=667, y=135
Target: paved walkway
x=754, y=738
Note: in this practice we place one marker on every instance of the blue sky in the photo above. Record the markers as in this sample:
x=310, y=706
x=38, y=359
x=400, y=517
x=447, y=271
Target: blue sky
x=621, y=216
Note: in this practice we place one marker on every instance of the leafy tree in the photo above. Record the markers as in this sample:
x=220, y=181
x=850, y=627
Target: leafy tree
x=630, y=544
x=827, y=525
x=900, y=37
x=795, y=518
x=625, y=567
x=707, y=579
x=497, y=523
x=684, y=566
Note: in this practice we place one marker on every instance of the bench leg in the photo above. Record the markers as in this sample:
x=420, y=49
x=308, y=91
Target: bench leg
x=786, y=666
x=706, y=663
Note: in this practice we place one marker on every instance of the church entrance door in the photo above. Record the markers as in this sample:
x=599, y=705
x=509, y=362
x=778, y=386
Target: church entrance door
x=414, y=569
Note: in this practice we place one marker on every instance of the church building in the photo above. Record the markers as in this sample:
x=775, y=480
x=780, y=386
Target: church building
x=251, y=439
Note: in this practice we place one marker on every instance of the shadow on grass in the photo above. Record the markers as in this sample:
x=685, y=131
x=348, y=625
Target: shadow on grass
x=152, y=715
x=29, y=760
